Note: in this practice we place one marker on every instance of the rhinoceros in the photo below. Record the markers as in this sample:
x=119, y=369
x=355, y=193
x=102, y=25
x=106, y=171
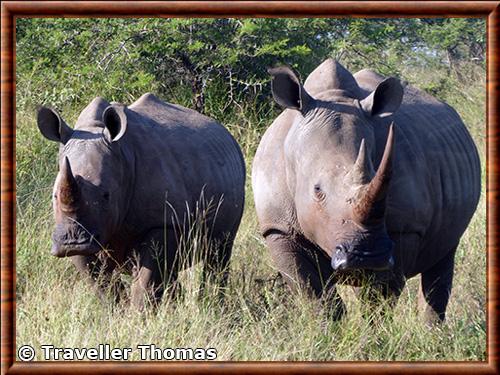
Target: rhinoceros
x=363, y=181
x=132, y=182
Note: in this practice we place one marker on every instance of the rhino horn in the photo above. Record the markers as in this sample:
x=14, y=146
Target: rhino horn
x=362, y=170
x=68, y=187
x=371, y=205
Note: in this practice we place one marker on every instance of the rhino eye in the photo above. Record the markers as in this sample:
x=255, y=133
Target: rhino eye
x=105, y=195
x=318, y=193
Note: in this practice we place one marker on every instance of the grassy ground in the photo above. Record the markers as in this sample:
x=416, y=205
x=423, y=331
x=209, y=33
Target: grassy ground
x=260, y=320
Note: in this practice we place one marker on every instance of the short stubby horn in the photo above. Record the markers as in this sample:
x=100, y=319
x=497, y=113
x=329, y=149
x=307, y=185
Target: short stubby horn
x=370, y=207
x=68, y=187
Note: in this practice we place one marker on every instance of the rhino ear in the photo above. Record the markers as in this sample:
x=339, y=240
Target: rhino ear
x=115, y=122
x=288, y=91
x=52, y=126
x=385, y=100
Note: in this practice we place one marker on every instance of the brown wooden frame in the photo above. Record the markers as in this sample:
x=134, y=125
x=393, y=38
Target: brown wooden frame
x=12, y=9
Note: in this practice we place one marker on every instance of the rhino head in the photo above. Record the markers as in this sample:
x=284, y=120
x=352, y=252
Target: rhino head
x=330, y=150
x=88, y=191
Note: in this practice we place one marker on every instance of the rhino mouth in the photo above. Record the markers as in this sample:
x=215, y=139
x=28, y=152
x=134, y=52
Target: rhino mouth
x=346, y=261
x=67, y=242
x=68, y=250
x=372, y=252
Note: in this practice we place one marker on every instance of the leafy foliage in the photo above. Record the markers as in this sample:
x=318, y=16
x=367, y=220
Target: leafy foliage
x=69, y=61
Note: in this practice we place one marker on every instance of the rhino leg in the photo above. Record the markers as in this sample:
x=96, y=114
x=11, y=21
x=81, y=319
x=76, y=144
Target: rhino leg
x=435, y=289
x=100, y=275
x=155, y=268
x=305, y=270
x=216, y=264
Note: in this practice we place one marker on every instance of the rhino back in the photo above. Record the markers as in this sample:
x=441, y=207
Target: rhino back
x=182, y=157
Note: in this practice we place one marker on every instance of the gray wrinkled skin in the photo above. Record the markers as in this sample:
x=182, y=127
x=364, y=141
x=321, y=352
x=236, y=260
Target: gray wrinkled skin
x=131, y=181
x=311, y=200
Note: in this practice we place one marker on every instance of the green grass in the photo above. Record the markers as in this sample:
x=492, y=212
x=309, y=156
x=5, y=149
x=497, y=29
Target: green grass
x=260, y=319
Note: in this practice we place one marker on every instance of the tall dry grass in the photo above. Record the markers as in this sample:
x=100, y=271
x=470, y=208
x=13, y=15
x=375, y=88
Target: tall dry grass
x=259, y=319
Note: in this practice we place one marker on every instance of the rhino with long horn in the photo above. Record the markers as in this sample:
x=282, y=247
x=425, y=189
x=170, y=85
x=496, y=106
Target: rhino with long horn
x=366, y=182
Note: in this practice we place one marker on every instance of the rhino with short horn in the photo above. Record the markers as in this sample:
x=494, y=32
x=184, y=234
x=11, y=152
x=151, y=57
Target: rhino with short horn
x=131, y=181
x=364, y=182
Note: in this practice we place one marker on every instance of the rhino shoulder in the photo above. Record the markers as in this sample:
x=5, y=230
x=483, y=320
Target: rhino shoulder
x=146, y=99
x=368, y=79
x=165, y=114
x=273, y=202
x=150, y=103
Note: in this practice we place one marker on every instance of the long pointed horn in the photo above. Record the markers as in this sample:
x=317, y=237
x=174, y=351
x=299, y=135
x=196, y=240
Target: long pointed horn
x=362, y=170
x=68, y=187
x=371, y=205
